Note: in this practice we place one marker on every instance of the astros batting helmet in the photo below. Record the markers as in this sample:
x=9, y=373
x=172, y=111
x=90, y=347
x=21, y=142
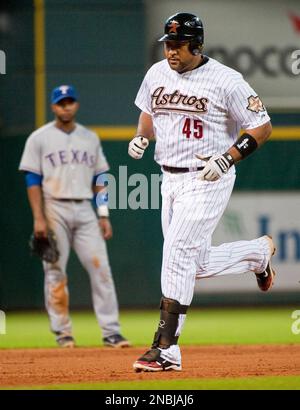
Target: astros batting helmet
x=185, y=27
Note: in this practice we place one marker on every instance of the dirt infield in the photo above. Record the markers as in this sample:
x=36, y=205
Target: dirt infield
x=56, y=366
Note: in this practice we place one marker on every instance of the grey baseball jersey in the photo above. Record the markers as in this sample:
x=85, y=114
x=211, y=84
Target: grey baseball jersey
x=198, y=112
x=68, y=163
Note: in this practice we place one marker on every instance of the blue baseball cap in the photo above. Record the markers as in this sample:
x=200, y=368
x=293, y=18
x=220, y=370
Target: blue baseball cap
x=63, y=91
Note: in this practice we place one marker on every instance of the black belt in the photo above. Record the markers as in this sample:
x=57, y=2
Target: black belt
x=70, y=199
x=175, y=170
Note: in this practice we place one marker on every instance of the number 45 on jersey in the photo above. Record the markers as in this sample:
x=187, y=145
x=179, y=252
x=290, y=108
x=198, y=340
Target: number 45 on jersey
x=193, y=128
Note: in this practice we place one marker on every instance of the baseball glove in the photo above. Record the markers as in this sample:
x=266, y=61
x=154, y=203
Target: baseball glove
x=44, y=248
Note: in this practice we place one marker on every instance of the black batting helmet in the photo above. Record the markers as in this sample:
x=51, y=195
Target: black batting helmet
x=185, y=27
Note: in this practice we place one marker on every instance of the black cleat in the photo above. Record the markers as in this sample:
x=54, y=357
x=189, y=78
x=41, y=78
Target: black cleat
x=151, y=361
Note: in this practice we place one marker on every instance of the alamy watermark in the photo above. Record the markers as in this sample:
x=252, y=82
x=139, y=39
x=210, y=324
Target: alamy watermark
x=2, y=62
x=296, y=324
x=2, y=323
x=296, y=63
x=137, y=191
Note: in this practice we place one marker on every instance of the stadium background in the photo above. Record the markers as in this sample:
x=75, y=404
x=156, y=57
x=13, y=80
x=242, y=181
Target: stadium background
x=103, y=48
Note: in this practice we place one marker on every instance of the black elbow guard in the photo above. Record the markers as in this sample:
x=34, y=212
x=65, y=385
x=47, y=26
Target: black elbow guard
x=245, y=145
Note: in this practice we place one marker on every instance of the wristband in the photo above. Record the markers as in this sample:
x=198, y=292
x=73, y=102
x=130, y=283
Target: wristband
x=245, y=145
x=103, y=211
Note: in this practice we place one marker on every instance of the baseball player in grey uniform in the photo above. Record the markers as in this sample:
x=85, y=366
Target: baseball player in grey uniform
x=195, y=108
x=62, y=161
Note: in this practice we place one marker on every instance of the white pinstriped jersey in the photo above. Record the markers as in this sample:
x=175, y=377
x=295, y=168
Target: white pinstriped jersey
x=199, y=111
x=67, y=162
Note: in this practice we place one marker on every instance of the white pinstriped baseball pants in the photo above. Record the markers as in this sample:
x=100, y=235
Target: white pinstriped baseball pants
x=191, y=210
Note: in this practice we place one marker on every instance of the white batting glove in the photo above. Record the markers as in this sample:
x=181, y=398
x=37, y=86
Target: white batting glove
x=137, y=147
x=216, y=166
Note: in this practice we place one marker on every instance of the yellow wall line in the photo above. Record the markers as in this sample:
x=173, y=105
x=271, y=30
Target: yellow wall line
x=114, y=133
x=285, y=133
x=39, y=61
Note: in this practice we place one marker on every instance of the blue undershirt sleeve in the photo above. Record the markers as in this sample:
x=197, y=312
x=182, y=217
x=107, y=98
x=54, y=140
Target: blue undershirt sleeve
x=33, y=179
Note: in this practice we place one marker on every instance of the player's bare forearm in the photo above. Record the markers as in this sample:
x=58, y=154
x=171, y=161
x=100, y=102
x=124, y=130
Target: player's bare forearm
x=144, y=132
x=260, y=134
x=106, y=228
x=145, y=125
x=35, y=198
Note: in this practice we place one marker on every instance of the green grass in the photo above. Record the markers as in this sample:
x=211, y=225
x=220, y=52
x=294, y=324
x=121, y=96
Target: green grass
x=250, y=383
x=203, y=326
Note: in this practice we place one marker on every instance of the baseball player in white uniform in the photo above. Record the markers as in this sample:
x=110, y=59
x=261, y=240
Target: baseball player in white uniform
x=62, y=161
x=195, y=108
